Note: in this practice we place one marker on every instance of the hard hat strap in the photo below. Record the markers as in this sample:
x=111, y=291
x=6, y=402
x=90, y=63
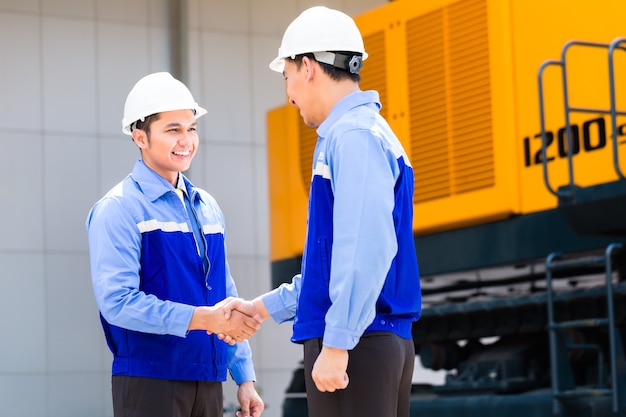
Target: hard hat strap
x=347, y=61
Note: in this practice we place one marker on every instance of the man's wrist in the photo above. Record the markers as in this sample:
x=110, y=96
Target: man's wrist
x=260, y=308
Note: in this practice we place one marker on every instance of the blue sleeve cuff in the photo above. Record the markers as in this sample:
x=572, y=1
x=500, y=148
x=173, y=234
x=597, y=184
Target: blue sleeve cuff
x=340, y=338
x=240, y=364
x=178, y=325
x=274, y=305
x=281, y=302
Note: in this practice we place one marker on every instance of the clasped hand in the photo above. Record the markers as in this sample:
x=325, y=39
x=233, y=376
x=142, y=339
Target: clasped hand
x=232, y=319
x=233, y=307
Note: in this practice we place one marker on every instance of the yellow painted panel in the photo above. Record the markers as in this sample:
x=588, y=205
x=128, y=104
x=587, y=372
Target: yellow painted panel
x=443, y=70
x=288, y=197
x=540, y=36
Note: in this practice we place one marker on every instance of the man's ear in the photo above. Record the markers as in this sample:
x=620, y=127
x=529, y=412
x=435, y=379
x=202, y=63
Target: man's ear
x=309, y=68
x=140, y=138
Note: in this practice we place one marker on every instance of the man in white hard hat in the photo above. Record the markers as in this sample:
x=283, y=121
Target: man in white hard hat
x=159, y=271
x=358, y=295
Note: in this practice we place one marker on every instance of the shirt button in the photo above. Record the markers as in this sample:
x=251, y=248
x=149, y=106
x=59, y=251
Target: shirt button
x=382, y=322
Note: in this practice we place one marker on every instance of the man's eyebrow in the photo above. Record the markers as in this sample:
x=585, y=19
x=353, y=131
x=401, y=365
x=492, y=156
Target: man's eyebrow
x=178, y=124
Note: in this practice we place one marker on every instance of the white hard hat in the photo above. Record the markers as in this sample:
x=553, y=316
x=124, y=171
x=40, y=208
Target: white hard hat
x=156, y=93
x=321, y=31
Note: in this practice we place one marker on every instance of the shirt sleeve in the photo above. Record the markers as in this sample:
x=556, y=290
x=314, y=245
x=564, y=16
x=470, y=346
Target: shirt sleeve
x=240, y=364
x=364, y=242
x=281, y=302
x=114, y=250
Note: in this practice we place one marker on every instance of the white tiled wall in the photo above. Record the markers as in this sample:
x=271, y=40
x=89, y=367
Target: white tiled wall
x=66, y=68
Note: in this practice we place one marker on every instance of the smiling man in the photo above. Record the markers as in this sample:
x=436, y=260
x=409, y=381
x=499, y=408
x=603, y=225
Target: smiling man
x=160, y=273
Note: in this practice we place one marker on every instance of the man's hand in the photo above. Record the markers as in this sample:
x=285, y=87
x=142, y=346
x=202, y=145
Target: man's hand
x=235, y=325
x=329, y=369
x=249, y=400
x=255, y=309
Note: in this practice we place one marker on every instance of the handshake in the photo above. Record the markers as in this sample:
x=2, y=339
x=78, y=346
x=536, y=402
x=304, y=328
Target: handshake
x=233, y=319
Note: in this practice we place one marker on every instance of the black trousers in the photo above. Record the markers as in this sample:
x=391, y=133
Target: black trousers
x=380, y=369
x=149, y=397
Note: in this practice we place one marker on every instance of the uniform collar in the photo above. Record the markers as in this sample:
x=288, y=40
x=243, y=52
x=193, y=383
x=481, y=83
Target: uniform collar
x=352, y=100
x=153, y=185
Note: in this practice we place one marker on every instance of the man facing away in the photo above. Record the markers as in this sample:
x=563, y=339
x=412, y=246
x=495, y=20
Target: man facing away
x=358, y=293
x=159, y=271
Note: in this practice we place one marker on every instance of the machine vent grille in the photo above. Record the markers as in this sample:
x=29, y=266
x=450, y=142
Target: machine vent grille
x=374, y=72
x=308, y=139
x=450, y=110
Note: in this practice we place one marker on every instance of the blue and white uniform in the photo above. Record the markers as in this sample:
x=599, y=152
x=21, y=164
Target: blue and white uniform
x=359, y=269
x=150, y=270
